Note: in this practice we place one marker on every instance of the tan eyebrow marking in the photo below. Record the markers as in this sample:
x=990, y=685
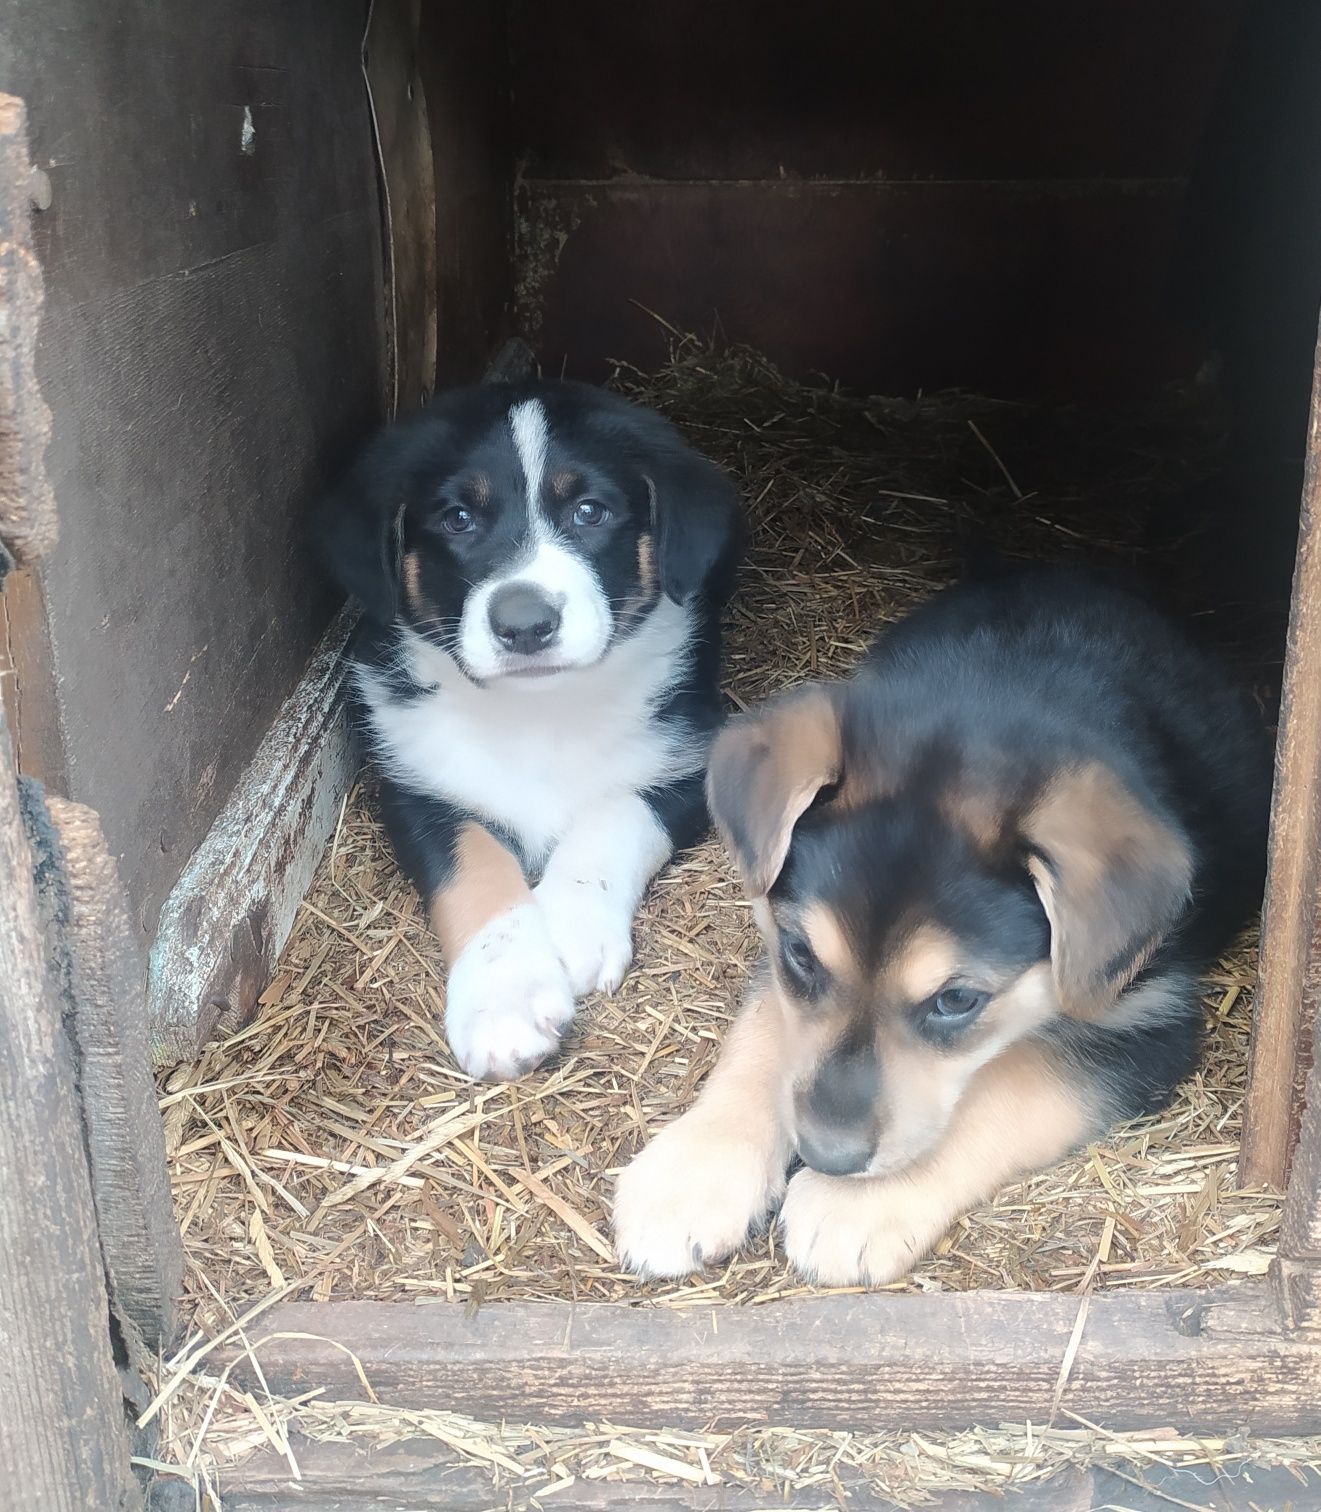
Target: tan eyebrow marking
x=826, y=937
x=926, y=962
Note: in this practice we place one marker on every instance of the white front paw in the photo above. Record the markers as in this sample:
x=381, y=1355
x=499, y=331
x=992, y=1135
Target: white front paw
x=846, y=1231
x=507, y=999
x=591, y=930
x=693, y=1194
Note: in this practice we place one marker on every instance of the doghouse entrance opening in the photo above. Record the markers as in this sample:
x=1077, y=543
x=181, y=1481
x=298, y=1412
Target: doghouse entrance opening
x=1009, y=290
x=288, y=1154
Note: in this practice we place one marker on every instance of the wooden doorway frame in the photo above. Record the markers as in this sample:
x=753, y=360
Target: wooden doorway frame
x=1247, y=1355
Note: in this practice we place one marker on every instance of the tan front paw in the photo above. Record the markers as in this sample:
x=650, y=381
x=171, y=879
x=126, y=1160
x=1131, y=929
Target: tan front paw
x=692, y=1196
x=846, y=1231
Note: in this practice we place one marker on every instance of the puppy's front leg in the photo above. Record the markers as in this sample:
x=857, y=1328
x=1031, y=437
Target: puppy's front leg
x=1016, y=1116
x=593, y=884
x=507, y=997
x=697, y=1189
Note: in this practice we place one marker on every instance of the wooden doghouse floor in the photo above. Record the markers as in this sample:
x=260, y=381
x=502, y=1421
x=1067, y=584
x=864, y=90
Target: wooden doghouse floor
x=333, y=1142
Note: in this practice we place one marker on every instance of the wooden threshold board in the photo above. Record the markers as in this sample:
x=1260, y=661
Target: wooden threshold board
x=1195, y=1360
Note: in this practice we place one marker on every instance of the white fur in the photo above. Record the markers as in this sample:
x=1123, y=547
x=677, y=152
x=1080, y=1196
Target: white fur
x=592, y=886
x=507, y=999
x=570, y=584
x=527, y=424
x=538, y=766
x=548, y=562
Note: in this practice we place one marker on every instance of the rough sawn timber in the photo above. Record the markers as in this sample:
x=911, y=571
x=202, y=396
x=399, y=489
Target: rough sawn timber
x=231, y=911
x=1290, y=979
x=1204, y=1360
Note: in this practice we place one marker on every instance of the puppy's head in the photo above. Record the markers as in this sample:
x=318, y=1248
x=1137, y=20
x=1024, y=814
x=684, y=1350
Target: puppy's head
x=925, y=904
x=525, y=529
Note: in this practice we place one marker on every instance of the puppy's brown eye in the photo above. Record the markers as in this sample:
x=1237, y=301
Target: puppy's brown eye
x=590, y=512
x=457, y=520
x=954, y=1005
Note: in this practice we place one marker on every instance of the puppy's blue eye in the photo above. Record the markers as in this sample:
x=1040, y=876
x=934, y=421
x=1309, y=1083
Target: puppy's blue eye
x=457, y=520
x=958, y=1004
x=590, y=512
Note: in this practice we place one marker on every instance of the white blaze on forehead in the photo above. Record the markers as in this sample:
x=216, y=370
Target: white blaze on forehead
x=527, y=423
x=545, y=560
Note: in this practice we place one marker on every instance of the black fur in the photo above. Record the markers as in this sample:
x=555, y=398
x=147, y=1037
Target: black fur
x=996, y=686
x=459, y=453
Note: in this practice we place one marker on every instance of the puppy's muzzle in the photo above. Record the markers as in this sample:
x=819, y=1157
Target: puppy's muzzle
x=835, y=1114
x=836, y=1152
x=523, y=619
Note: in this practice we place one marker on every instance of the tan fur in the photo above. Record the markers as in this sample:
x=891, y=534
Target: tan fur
x=746, y=1084
x=765, y=772
x=978, y=815
x=923, y=1084
x=1017, y=1116
x=1090, y=828
x=564, y=483
x=646, y=564
x=692, y=1195
x=482, y=490
x=638, y=602
x=829, y=944
x=412, y=575
x=926, y=962
x=487, y=882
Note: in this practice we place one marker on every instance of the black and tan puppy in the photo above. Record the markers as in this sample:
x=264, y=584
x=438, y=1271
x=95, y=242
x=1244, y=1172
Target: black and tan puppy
x=989, y=870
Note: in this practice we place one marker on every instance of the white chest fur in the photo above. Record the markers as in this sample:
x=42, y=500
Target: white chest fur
x=534, y=756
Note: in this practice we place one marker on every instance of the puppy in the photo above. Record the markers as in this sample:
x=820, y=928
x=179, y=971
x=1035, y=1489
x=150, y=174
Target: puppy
x=989, y=872
x=541, y=569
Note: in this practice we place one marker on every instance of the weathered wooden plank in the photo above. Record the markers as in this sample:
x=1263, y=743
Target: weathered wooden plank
x=1204, y=1360
x=63, y=1444
x=230, y=913
x=464, y=59
x=1018, y=288
x=63, y=1441
x=211, y=348
x=27, y=511
x=403, y=137
x=711, y=100
x=99, y=967
x=1290, y=967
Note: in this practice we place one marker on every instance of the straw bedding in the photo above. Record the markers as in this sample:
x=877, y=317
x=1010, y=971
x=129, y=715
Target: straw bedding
x=332, y=1145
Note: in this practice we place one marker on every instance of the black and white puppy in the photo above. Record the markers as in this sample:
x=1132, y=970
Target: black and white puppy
x=542, y=568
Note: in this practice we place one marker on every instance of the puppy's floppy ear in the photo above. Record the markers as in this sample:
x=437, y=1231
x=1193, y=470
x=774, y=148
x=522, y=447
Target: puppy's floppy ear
x=360, y=527
x=765, y=770
x=698, y=522
x=1113, y=877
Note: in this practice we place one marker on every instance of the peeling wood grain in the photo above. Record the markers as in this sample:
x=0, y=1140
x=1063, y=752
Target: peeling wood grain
x=230, y=913
x=103, y=982
x=63, y=1444
x=62, y=1441
x=27, y=510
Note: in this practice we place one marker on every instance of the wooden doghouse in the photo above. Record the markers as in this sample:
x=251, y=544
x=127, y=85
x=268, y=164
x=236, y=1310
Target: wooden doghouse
x=233, y=239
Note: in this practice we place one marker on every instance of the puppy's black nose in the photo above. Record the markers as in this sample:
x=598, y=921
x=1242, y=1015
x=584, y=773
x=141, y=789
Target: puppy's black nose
x=522, y=618
x=836, y=1152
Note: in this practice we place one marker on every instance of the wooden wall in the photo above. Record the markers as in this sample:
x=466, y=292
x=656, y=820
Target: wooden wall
x=464, y=61
x=211, y=347
x=901, y=195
